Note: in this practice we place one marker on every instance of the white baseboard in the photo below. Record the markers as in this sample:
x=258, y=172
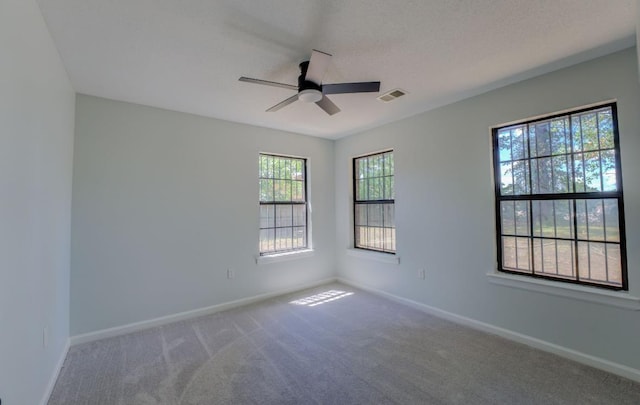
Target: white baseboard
x=56, y=373
x=137, y=326
x=606, y=365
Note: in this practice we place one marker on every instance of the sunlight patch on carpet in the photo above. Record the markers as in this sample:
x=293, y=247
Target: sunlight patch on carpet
x=321, y=298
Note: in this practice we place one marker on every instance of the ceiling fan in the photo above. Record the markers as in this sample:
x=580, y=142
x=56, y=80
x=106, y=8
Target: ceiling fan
x=310, y=87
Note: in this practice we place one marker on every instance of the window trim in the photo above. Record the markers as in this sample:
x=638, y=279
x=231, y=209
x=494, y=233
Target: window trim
x=384, y=201
x=618, y=195
x=582, y=292
x=285, y=256
x=264, y=257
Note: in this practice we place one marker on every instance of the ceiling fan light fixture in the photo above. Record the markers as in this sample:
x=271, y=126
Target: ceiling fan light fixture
x=310, y=95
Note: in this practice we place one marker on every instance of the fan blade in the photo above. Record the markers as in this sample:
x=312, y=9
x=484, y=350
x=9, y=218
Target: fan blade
x=340, y=88
x=283, y=103
x=268, y=83
x=328, y=106
x=318, y=66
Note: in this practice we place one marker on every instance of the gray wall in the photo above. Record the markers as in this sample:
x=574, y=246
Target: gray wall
x=165, y=202
x=36, y=153
x=445, y=209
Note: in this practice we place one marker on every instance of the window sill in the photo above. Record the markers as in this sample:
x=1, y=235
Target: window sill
x=371, y=255
x=620, y=299
x=281, y=257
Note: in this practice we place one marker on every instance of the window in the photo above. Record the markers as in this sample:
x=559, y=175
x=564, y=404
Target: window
x=374, y=223
x=559, y=205
x=283, y=204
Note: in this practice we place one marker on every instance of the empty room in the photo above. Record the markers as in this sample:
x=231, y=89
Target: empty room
x=319, y=202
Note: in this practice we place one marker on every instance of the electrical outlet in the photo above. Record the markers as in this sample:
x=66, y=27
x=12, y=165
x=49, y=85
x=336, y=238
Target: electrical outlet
x=45, y=337
x=231, y=273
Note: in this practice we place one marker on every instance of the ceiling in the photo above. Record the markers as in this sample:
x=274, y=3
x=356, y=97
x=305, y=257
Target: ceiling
x=188, y=55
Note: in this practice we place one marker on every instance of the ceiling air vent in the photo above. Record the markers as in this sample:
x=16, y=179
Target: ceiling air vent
x=391, y=95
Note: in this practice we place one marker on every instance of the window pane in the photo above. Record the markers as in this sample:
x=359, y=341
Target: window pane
x=507, y=215
x=594, y=259
x=506, y=179
x=589, y=128
x=516, y=254
x=375, y=215
x=388, y=188
x=519, y=142
x=299, y=215
x=299, y=170
x=592, y=171
x=361, y=236
x=266, y=190
x=267, y=216
x=376, y=238
x=561, y=175
x=270, y=167
x=605, y=128
x=609, y=170
x=542, y=139
x=521, y=177
x=284, y=239
x=612, y=228
x=375, y=188
x=542, y=175
x=296, y=191
x=598, y=219
x=389, y=216
x=614, y=264
x=522, y=218
x=504, y=145
x=267, y=237
x=553, y=218
x=262, y=167
x=509, y=253
x=361, y=214
x=564, y=218
x=576, y=133
x=545, y=254
x=554, y=257
x=523, y=250
x=361, y=190
x=361, y=167
x=543, y=217
x=284, y=215
x=388, y=164
x=565, y=258
x=579, y=179
x=590, y=215
x=559, y=136
x=389, y=239
x=299, y=237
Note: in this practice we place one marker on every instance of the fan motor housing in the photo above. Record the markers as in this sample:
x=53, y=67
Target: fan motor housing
x=304, y=84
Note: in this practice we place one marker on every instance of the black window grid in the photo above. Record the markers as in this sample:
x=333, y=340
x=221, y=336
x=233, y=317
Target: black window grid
x=379, y=234
x=288, y=232
x=575, y=241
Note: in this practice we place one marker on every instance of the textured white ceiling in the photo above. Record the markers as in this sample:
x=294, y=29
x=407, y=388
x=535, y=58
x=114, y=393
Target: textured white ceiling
x=188, y=55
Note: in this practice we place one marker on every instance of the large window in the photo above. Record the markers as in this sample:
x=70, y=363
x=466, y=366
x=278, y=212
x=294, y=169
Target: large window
x=559, y=205
x=283, y=204
x=374, y=223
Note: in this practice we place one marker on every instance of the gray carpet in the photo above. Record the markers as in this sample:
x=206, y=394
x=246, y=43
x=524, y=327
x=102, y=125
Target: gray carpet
x=336, y=348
